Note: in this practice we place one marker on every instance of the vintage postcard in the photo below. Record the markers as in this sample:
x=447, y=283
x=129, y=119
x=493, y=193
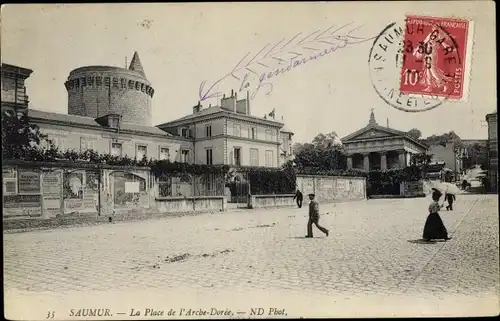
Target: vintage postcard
x=249, y=160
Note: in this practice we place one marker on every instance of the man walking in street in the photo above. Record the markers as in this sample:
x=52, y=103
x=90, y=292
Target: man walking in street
x=299, y=197
x=314, y=217
x=450, y=198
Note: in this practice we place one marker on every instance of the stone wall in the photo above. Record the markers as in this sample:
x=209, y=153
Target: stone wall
x=275, y=200
x=332, y=188
x=35, y=193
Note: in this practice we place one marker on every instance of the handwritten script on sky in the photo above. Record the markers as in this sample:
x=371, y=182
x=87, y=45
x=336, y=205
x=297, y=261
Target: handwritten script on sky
x=257, y=71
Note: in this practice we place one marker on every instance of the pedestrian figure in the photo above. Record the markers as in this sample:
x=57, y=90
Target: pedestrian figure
x=434, y=228
x=299, y=197
x=450, y=198
x=314, y=217
x=464, y=184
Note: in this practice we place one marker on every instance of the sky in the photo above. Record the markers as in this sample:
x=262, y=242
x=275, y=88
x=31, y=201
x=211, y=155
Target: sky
x=183, y=45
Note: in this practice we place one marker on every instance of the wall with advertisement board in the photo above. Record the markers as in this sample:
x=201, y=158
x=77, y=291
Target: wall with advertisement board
x=22, y=192
x=332, y=188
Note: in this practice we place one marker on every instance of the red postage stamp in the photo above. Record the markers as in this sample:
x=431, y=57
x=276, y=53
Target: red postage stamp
x=436, y=57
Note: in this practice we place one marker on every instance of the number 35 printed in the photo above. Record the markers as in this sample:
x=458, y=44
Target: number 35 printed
x=50, y=314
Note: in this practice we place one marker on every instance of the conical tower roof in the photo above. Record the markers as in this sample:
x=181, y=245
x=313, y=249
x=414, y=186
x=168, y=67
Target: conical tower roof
x=136, y=65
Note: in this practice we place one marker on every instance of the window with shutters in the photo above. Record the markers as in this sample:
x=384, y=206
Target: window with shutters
x=123, y=83
x=208, y=130
x=269, y=158
x=237, y=130
x=254, y=157
x=116, y=149
x=141, y=152
x=98, y=81
x=164, y=153
x=185, y=156
x=86, y=144
x=269, y=134
x=237, y=156
x=115, y=82
x=254, y=133
x=208, y=152
x=130, y=84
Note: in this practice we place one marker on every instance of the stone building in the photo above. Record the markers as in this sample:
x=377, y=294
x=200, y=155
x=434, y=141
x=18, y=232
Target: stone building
x=493, y=150
x=229, y=134
x=96, y=91
x=380, y=148
x=14, y=97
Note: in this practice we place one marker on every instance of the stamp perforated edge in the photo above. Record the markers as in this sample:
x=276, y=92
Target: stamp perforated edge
x=469, y=52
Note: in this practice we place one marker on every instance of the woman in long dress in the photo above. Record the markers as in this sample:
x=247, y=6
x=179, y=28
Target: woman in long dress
x=434, y=228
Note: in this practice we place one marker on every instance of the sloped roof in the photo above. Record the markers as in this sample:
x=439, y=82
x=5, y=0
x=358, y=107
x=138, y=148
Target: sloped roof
x=202, y=112
x=136, y=65
x=375, y=127
x=89, y=121
x=215, y=110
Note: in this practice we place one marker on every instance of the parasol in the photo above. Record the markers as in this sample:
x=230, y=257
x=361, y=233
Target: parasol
x=444, y=188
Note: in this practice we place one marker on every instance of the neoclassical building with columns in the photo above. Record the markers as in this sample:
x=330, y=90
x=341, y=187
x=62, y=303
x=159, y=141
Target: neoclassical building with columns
x=376, y=147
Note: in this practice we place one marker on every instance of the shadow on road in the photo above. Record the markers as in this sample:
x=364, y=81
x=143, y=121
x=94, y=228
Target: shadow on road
x=422, y=241
x=300, y=237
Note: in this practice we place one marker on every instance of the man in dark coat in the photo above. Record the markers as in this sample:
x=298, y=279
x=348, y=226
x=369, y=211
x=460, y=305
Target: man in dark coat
x=450, y=198
x=314, y=217
x=299, y=197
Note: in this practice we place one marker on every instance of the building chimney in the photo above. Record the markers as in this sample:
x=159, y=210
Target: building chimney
x=197, y=108
x=229, y=103
x=248, y=102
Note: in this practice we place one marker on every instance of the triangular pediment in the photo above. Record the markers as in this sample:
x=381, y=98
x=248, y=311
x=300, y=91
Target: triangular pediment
x=370, y=132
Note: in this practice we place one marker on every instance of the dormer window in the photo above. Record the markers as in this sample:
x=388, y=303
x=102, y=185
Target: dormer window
x=185, y=132
x=111, y=121
x=114, y=121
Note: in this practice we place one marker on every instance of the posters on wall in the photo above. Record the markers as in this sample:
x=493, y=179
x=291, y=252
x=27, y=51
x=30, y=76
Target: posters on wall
x=9, y=181
x=91, y=191
x=73, y=191
x=51, y=192
x=129, y=190
x=22, y=206
x=29, y=181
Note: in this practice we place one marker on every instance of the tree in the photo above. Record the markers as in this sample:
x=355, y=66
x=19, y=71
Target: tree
x=324, y=153
x=415, y=133
x=422, y=161
x=328, y=140
x=475, y=154
x=445, y=139
x=19, y=135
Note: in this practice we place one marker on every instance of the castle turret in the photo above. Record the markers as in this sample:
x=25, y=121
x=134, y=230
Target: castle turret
x=96, y=91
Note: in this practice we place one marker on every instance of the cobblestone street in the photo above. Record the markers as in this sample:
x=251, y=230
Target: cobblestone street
x=372, y=251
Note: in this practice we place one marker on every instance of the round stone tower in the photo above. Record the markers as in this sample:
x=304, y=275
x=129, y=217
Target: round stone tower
x=96, y=91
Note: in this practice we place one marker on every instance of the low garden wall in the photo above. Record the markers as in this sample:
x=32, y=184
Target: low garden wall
x=275, y=200
x=191, y=204
x=329, y=189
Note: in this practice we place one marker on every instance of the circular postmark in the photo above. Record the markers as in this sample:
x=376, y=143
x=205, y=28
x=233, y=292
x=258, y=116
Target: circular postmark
x=406, y=68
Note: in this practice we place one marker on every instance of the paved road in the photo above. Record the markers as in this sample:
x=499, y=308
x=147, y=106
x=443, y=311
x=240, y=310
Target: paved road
x=371, y=251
